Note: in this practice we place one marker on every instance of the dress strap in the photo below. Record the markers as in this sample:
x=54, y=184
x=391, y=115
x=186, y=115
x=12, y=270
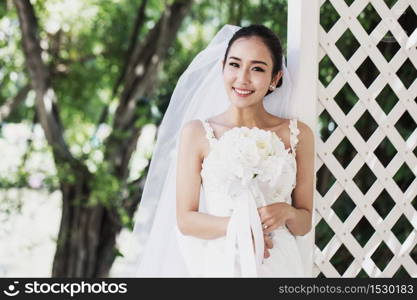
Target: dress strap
x=294, y=131
x=209, y=131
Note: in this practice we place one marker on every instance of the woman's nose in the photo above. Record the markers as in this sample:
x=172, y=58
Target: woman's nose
x=243, y=75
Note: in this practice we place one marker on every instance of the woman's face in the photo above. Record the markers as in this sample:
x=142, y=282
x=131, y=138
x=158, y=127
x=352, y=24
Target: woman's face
x=247, y=72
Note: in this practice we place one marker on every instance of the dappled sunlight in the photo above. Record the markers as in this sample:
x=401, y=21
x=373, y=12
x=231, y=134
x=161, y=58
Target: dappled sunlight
x=69, y=14
x=13, y=145
x=29, y=235
x=139, y=70
x=144, y=148
x=48, y=99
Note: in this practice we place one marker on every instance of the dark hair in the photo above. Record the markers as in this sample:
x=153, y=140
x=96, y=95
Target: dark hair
x=270, y=40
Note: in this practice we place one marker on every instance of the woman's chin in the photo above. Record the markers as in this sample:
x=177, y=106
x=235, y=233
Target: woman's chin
x=242, y=103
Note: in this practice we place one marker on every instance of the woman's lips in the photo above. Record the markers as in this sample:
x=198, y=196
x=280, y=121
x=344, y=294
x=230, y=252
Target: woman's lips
x=236, y=91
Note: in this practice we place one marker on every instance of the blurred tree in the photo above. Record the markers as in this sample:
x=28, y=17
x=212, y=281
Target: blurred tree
x=89, y=225
x=102, y=66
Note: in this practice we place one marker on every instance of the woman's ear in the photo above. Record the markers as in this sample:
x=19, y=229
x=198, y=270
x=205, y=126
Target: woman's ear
x=277, y=77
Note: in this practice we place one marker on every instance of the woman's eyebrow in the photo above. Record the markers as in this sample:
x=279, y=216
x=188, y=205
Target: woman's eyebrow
x=252, y=61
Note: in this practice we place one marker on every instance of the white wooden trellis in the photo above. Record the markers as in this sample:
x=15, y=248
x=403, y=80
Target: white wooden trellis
x=316, y=98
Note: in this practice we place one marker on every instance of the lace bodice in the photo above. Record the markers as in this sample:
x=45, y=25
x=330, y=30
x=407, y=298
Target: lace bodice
x=216, y=175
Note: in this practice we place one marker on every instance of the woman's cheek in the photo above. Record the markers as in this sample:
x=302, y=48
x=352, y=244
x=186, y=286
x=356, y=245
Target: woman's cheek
x=228, y=78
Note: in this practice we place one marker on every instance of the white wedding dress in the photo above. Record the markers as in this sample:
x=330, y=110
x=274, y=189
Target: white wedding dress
x=212, y=258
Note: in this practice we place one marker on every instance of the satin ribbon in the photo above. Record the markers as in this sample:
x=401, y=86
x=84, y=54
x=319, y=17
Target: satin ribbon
x=244, y=220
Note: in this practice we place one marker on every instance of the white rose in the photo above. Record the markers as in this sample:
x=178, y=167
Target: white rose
x=277, y=144
x=240, y=149
x=263, y=143
x=272, y=168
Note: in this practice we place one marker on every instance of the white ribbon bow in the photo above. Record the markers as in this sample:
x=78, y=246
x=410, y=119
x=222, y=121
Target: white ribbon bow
x=244, y=223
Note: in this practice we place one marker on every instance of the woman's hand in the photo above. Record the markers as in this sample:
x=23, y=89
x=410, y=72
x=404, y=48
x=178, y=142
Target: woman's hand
x=268, y=245
x=275, y=215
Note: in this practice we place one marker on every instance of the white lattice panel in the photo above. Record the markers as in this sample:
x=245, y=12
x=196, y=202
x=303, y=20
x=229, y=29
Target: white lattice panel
x=362, y=255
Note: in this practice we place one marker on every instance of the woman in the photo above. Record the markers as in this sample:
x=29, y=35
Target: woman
x=235, y=193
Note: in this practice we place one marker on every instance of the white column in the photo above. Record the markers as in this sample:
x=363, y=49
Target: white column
x=302, y=57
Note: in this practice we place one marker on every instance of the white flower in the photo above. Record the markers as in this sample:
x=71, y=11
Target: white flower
x=264, y=143
x=272, y=168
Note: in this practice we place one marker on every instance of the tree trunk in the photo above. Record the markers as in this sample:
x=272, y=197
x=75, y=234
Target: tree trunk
x=87, y=236
x=77, y=242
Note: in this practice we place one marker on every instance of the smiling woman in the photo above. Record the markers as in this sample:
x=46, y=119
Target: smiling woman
x=245, y=76
x=235, y=192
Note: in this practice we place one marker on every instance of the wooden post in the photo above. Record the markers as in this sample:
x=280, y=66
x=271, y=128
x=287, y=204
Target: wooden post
x=303, y=42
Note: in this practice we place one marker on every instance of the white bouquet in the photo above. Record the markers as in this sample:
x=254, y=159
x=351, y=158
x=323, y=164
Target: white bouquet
x=253, y=157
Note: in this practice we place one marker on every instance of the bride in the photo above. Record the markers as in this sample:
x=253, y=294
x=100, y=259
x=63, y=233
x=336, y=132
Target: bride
x=230, y=183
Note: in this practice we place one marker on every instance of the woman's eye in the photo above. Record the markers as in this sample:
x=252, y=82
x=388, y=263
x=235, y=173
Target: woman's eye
x=255, y=68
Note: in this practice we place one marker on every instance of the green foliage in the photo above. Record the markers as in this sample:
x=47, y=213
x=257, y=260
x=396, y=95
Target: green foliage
x=105, y=187
x=65, y=174
x=93, y=37
x=12, y=74
x=145, y=111
x=3, y=8
x=117, y=252
x=124, y=218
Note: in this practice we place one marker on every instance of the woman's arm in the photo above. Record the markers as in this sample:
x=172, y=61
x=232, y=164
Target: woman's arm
x=190, y=156
x=300, y=220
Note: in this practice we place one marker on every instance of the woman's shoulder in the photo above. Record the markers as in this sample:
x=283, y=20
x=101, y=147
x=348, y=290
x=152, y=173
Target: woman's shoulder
x=193, y=131
x=192, y=127
x=304, y=129
x=192, y=137
x=305, y=138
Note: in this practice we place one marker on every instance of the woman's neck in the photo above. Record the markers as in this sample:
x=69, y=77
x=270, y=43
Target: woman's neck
x=247, y=116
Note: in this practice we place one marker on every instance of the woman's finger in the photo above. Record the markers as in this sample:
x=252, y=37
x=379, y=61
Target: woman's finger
x=268, y=242
x=266, y=253
x=268, y=227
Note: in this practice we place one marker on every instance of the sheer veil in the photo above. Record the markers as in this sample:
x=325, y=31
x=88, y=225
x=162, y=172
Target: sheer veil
x=199, y=93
